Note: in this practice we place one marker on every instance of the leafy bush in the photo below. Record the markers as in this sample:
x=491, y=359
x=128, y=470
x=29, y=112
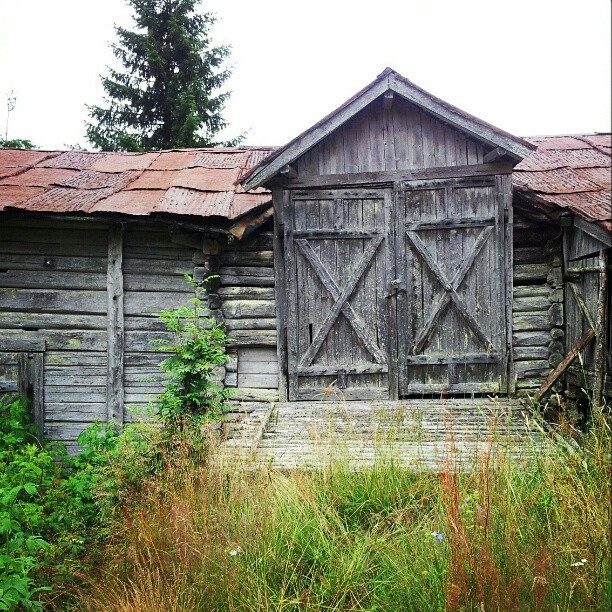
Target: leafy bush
x=54, y=507
x=197, y=348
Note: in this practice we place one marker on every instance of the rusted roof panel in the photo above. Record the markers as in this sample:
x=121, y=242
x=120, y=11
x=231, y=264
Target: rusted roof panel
x=90, y=179
x=65, y=199
x=558, y=143
x=208, y=179
x=549, y=159
x=141, y=202
x=180, y=201
x=245, y=202
x=221, y=159
x=14, y=195
x=120, y=162
x=200, y=182
x=569, y=173
x=565, y=173
x=72, y=160
x=173, y=160
x=12, y=158
x=39, y=177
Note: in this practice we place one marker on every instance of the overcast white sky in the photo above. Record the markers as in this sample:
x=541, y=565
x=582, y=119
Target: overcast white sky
x=527, y=66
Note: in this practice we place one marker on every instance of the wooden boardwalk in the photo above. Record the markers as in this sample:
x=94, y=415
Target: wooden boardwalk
x=422, y=433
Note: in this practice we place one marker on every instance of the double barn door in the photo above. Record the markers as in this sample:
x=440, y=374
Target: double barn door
x=395, y=291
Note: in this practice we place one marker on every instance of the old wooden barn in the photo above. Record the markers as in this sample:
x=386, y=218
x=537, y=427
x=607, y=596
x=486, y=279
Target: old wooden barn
x=399, y=248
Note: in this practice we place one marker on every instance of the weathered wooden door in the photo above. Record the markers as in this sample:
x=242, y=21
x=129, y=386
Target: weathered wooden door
x=451, y=305
x=337, y=256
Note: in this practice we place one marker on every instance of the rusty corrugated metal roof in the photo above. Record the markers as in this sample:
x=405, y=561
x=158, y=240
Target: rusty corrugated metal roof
x=196, y=182
x=569, y=174
x=565, y=173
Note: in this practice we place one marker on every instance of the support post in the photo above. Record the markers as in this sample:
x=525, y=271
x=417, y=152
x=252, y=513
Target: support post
x=600, y=348
x=279, y=292
x=115, y=326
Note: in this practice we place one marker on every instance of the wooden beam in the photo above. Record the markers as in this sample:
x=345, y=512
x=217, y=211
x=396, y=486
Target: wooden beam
x=593, y=229
x=388, y=100
x=515, y=147
x=315, y=134
x=31, y=385
x=552, y=378
x=389, y=177
x=495, y=155
x=280, y=292
x=600, y=349
x=288, y=172
x=115, y=325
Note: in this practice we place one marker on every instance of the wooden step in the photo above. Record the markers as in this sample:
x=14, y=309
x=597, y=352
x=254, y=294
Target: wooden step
x=421, y=433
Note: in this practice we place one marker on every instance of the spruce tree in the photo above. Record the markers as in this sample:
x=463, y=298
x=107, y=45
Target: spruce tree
x=167, y=95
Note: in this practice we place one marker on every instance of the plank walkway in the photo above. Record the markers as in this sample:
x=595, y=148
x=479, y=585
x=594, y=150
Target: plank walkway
x=422, y=433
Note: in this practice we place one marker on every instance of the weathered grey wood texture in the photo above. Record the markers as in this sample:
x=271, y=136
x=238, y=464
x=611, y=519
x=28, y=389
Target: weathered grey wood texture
x=538, y=324
x=452, y=309
x=338, y=244
x=422, y=263
x=54, y=303
x=582, y=295
x=248, y=306
x=400, y=138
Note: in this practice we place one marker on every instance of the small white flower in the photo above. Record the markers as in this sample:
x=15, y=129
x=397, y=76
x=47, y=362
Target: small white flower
x=236, y=551
x=579, y=563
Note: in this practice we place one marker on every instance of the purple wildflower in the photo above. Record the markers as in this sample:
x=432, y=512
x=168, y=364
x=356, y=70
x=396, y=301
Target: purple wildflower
x=460, y=509
x=438, y=536
x=479, y=509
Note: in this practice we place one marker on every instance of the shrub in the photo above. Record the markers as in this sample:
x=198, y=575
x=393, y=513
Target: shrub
x=197, y=348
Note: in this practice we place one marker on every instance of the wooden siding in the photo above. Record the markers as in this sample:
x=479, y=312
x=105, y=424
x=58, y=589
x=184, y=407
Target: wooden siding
x=582, y=290
x=153, y=273
x=404, y=138
x=53, y=291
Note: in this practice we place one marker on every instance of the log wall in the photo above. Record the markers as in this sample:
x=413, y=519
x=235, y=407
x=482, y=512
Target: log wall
x=538, y=324
x=246, y=291
x=53, y=291
x=54, y=305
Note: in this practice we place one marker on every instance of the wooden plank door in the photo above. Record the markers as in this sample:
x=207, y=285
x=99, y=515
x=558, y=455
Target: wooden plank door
x=337, y=263
x=452, y=310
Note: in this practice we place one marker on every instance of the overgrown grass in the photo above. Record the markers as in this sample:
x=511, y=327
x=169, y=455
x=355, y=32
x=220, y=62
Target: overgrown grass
x=502, y=535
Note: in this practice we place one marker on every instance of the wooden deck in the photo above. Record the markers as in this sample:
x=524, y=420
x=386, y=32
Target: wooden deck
x=424, y=433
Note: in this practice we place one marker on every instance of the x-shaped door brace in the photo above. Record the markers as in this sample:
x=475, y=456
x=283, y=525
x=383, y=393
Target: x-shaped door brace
x=450, y=288
x=341, y=303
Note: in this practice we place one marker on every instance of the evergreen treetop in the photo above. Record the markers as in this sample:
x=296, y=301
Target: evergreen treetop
x=167, y=95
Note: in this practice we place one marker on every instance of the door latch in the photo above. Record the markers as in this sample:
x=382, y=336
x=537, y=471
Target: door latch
x=396, y=287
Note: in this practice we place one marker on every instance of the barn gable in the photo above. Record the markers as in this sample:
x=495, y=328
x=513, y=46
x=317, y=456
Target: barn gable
x=390, y=84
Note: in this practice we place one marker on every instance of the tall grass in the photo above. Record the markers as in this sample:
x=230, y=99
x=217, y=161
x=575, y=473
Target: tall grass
x=502, y=535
